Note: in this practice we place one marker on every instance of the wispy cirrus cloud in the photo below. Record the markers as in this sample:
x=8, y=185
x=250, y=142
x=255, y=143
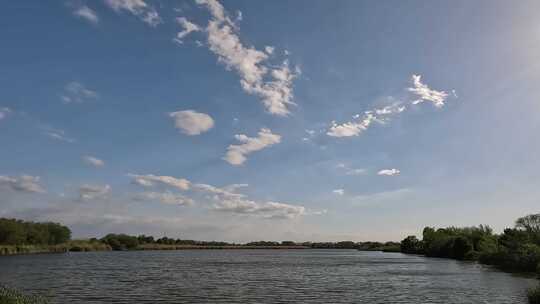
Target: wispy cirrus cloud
x=90, y=192
x=93, y=161
x=191, y=122
x=237, y=154
x=138, y=8
x=272, y=84
x=57, y=134
x=76, y=92
x=149, y=180
x=23, y=183
x=363, y=122
x=167, y=198
x=382, y=115
x=224, y=199
x=86, y=13
x=426, y=94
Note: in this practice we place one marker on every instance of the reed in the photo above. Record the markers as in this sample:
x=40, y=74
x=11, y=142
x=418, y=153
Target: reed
x=13, y=296
x=533, y=295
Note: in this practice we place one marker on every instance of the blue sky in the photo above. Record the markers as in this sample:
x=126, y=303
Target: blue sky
x=246, y=120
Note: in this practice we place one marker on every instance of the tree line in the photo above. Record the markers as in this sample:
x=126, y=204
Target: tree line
x=516, y=249
x=18, y=232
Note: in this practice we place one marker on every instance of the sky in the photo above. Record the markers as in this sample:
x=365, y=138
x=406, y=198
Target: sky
x=277, y=120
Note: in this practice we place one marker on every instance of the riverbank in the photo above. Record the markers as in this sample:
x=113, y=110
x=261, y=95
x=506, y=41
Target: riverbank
x=73, y=246
x=82, y=246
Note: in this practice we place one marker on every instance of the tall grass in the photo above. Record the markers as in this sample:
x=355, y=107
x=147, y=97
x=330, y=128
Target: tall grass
x=12, y=296
x=534, y=295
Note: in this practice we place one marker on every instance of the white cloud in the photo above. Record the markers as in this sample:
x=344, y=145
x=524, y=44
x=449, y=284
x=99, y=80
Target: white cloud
x=168, y=198
x=272, y=84
x=339, y=191
x=395, y=108
x=4, y=112
x=59, y=135
x=236, y=154
x=382, y=115
x=224, y=199
x=138, y=8
x=187, y=26
x=93, y=161
x=352, y=128
x=363, y=122
x=88, y=192
x=269, y=49
x=86, y=13
x=76, y=92
x=265, y=210
x=150, y=180
x=424, y=93
x=24, y=183
x=191, y=122
x=389, y=172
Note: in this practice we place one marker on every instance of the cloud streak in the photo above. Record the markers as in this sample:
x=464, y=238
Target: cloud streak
x=237, y=154
x=93, y=161
x=86, y=13
x=76, y=92
x=138, y=8
x=389, y=172
x=362, y=123
x=90, y=192
x=150, y=180
x=225, y=199
x=382, y=115
x=24, y=183
x=167, y=198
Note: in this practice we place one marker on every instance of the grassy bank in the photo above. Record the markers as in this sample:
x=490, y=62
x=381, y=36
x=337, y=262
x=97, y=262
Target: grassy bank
x=534, y=295
x=12, y=296
x=188, y=247
x=74, y=246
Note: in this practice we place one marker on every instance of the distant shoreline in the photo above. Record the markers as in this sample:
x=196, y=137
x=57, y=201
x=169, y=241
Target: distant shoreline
x=13, y=250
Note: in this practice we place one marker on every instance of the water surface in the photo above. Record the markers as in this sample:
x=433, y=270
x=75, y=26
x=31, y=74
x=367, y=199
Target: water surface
x=259, y=276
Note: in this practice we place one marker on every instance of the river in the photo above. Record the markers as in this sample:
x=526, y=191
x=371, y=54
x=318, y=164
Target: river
x=259, y=276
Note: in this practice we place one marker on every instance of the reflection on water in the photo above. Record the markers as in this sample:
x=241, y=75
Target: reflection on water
x=259, y=276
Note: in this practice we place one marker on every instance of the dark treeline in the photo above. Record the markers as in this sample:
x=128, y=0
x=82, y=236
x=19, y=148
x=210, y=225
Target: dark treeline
x=17, y=232
x=516, y=249
x=129, y=242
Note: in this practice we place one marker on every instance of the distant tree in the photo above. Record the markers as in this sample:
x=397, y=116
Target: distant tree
x=17, y=232
x=461, y=247
x=411, y=245
x=288, y=243
x=531, y=224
